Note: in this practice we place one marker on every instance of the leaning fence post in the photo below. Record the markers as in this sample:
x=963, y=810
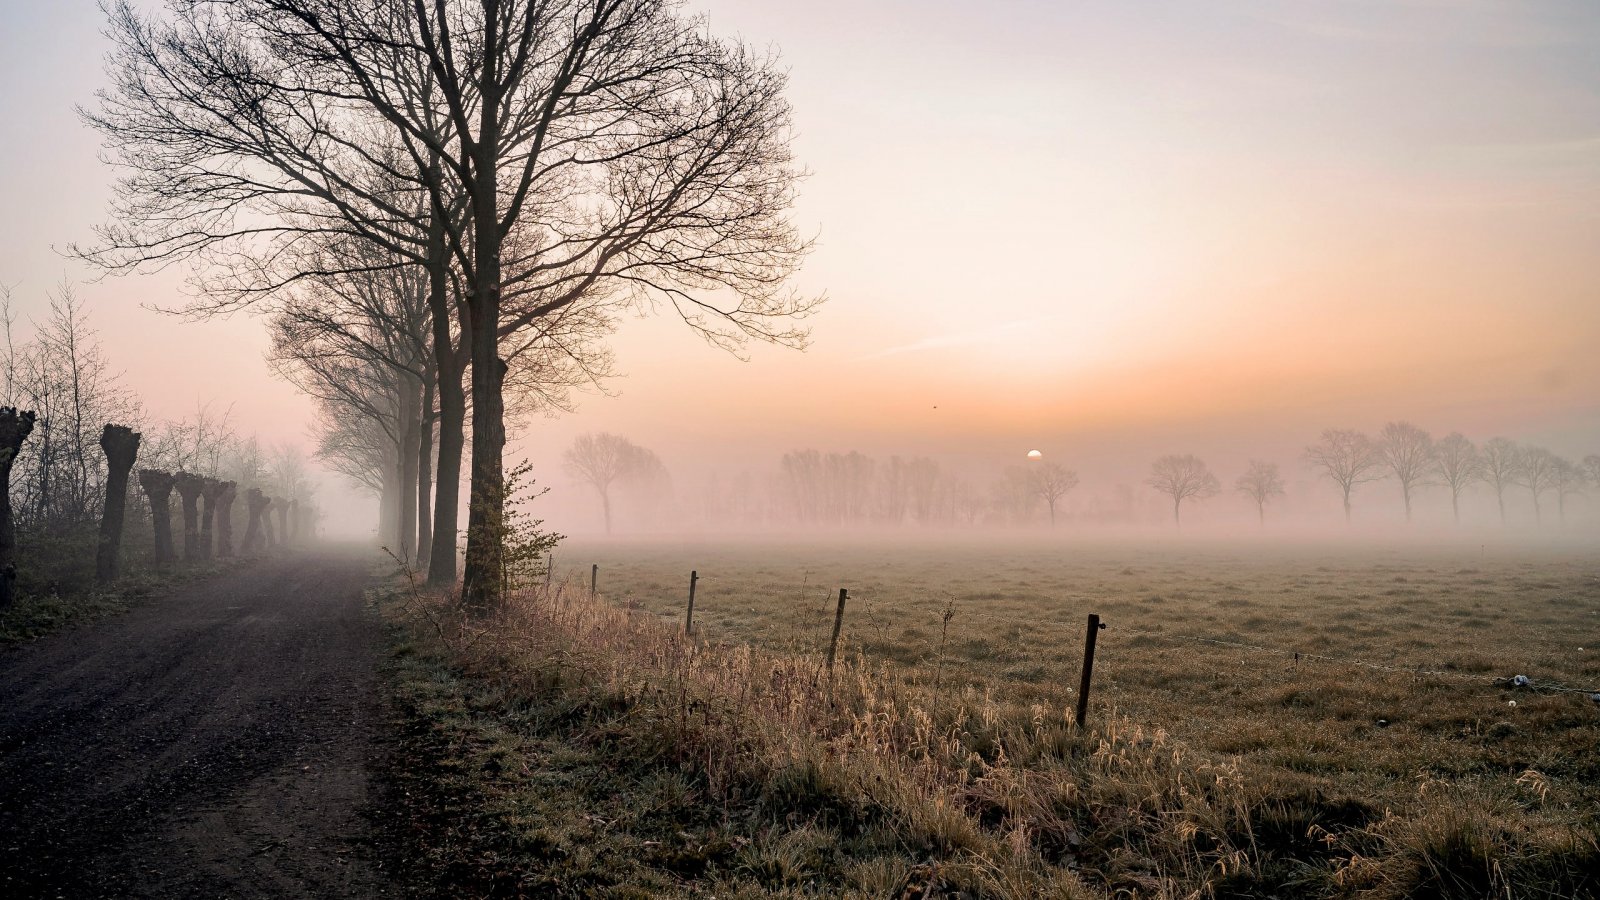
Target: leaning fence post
x=838, y=622
x=688, y=620
x=1088, y=667
x=594, y=579
x=549, y=567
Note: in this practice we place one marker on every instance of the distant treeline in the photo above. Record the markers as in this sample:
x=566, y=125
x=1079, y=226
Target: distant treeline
x=813, y=488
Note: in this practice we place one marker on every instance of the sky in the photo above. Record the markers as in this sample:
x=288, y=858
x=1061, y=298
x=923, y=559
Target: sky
x=1107, y=230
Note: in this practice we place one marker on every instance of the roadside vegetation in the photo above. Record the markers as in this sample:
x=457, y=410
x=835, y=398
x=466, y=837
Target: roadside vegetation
x=575, y=745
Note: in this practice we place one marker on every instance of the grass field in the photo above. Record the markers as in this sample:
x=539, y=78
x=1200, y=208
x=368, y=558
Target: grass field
x=1387, y=760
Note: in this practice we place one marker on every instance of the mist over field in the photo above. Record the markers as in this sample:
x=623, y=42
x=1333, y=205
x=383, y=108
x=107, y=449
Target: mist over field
x=844, y=449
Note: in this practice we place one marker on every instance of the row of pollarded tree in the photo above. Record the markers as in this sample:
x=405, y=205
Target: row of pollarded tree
x=206, y=505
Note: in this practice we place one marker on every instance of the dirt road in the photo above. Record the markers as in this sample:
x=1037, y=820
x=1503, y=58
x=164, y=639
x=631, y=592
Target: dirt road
x=218, y=742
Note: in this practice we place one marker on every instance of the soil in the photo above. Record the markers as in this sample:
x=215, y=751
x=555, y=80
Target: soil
x=225, y=740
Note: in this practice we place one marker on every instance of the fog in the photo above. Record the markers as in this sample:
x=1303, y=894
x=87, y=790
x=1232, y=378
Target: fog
x=1113, y=262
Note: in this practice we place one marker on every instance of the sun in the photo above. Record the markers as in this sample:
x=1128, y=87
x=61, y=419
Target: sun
x=1034, y=454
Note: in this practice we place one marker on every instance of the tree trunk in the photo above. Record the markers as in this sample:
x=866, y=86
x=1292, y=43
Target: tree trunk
x=425, y=482
x=389, y=491
x=410, y=446
x=605, y=507
x=483, y=575
x=282, y=507
x=208, y=515
x=225, y=498
x=448, y=365
x=269, y=537
x=121, y=446
x=1176, y=502
x=291, y=530
x=14, y=429
x=1455, y=506
x=1405, y=493
x=157, y=487
x=189, y=486
x=256, y=504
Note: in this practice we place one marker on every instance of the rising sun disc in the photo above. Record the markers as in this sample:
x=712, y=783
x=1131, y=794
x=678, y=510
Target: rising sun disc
x=1034, y=454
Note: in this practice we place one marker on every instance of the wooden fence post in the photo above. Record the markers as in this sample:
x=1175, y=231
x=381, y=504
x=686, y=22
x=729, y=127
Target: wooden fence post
x=838, y=622
x=549, y=568
x=594, y=579
x=1088, y=667
x=688, y=620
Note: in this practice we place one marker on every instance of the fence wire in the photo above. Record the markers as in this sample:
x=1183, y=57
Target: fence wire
x=1419, y=670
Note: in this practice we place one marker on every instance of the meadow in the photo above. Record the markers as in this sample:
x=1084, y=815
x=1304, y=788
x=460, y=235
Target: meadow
x=1267, y=719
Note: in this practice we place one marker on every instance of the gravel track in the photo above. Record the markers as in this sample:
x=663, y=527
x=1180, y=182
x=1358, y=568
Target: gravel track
x=222, y=741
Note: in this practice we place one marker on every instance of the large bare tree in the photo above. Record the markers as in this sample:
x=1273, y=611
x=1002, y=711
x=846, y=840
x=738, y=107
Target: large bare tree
x=1184, y=477
x=650, y=159
x=1407, y=452
x=1347, y=458
x=1458, y=464
x=1260, y=482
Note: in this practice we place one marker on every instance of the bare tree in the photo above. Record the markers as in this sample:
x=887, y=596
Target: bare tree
x=1502, y=468
x=1407, y=451
x=1260, y=482
x=121, y=446
x=1012, y=496
x=1568, y=480
x=1347, y=458
x=1182, y=478
x=1458, y=464
x=157, y=486
x=15, y=427
x=1051, y=481
x=63, y=375
x=1537, y=473
x=653, y=159
x=1591, y=467
x=603, y=460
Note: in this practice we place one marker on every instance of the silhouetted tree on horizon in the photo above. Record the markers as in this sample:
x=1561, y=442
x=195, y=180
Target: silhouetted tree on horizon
x=1182, y=478
x=1537, y=473
x=1568, y=480
x=1502, y=467
x=1260, y=482
x=1051, y=481
x=604, y=459
x=1408, y=453
x=1459, y=464
x=1347, y=458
